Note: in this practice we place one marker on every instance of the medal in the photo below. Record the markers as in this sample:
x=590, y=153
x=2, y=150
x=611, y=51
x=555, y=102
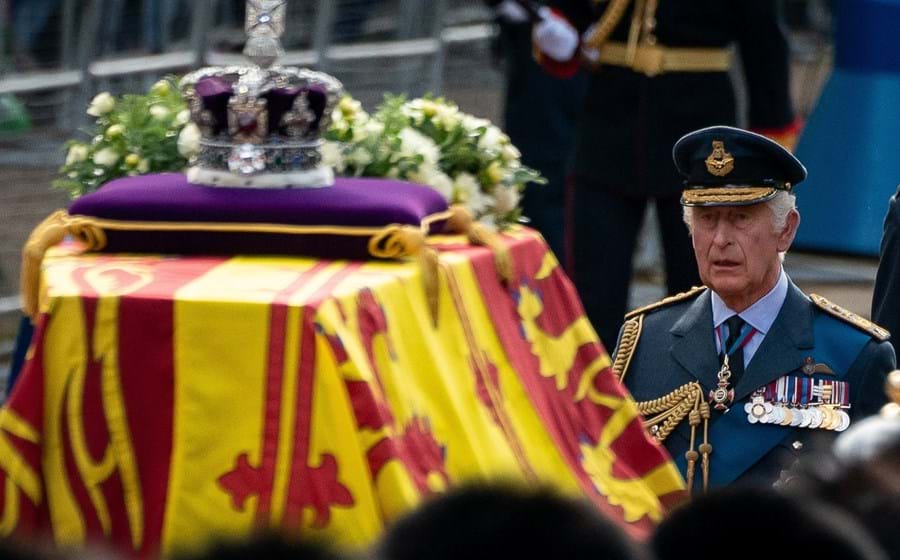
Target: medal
x=722, y=395
x=788, y=416
x=845, y=421
x=757, y=409
x=804, y=417
x=815, y=417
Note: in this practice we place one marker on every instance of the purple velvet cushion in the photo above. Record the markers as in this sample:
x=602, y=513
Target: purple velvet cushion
x=351, y=202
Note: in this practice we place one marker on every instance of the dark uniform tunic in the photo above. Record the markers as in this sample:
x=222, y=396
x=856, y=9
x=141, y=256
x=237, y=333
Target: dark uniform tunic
x=677, y=345
x=631, y=121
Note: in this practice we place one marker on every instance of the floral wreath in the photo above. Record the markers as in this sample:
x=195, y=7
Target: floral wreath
x=426, y=140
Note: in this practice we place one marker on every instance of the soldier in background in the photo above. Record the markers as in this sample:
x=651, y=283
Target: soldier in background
x=741, y=378
x=660, y=69
x=539, y=116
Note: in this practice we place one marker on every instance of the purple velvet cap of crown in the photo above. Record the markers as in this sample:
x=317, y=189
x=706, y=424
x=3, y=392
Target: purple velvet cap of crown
x=350, y=202
x=215, y=92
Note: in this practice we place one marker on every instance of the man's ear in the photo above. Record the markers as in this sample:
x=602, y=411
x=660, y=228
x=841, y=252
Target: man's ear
x=786, y=237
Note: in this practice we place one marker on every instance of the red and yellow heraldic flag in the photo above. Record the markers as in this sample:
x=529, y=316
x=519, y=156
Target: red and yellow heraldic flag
x=170, y=400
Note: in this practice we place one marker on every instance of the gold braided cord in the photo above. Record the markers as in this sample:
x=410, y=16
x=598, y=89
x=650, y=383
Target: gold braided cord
x=47, y=234
x=631, y=333
x=665, y=413
x=606, y=24
x=396, y=241
x=705, y=447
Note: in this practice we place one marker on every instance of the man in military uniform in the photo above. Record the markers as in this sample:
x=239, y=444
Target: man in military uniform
x=660, y=70
x=737, y=376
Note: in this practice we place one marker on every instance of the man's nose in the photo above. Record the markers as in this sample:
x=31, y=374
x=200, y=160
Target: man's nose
x=722, y=234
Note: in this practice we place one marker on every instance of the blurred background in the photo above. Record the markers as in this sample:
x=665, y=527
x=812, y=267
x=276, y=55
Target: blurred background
x=56, y=54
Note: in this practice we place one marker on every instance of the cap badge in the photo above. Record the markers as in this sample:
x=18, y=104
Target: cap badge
x=719, y=162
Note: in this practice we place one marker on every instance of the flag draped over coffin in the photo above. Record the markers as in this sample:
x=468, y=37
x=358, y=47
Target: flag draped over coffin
x=169, y=400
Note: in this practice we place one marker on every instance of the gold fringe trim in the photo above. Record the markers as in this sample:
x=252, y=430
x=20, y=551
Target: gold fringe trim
x=631, y=333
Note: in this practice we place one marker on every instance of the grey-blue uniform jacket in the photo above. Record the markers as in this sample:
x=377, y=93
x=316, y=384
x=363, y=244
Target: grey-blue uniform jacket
x=676, y=345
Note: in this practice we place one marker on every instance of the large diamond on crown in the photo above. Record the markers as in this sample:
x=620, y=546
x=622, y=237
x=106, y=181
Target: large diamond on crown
x=260, y=126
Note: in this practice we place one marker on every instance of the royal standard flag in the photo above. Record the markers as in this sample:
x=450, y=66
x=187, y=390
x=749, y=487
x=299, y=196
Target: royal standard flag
x=168, y=401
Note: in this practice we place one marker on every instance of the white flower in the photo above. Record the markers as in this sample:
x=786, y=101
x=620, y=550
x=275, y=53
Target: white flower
x=510, y=153
x=472, y=123
x=107, y=157
x=373, y=127
x=492, y=139
x=488, y=220
x=76, y=154
x=467, y=190
x=333, y=156
x=447, y=115
x=364, y=127
x=360, y=157
x=183, y=117
x=433, y=177
x=161, y=87
x=143, y=166
x=495, y=172
x=115, y=131
x=506, y=199
x=413, y=142
x=189, y=140
x=349, y=106
x=101, y=104
x=159, y=112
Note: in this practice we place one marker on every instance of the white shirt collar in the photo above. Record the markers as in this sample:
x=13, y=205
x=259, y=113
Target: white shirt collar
x=761, y=314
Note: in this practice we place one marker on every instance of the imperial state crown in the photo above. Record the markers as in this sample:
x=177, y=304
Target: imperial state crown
x=260, y=124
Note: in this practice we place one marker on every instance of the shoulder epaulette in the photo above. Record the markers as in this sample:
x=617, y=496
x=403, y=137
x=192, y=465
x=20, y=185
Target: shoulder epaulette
x=863, y=324
x=693, y=292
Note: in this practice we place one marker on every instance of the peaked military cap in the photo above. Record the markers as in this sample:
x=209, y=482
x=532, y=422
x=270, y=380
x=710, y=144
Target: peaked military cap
x=727, y=166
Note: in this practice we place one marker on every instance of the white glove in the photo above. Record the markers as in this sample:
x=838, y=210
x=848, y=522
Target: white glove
x=511, y=11
x=555, y=36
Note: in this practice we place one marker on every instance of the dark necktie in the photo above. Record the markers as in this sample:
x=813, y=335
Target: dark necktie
x=736, y=358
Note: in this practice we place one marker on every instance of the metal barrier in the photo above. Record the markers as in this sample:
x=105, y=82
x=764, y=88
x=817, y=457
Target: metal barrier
x=420, y=32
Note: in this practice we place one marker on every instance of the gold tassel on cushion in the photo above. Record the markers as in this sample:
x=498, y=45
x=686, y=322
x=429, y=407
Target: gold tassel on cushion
x=47, y=234
x=401, y=241
x=461, y=221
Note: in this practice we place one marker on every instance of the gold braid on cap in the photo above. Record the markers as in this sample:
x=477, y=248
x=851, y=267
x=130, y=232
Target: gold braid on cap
x=726, y=195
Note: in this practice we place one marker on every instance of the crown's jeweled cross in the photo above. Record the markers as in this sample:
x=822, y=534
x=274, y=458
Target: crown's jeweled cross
x=264, y=26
